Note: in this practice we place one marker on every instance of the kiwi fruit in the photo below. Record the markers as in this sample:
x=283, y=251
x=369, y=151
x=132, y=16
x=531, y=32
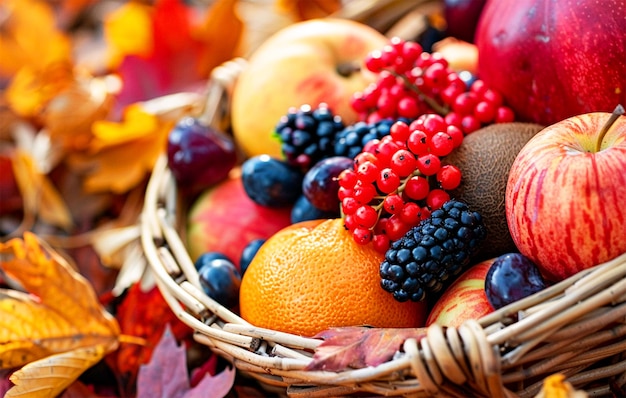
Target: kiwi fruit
x=485, y=158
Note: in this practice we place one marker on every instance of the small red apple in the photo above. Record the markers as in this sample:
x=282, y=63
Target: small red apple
x=554, y=59
x=464, y=299
x=565, y=194
x=225, y=219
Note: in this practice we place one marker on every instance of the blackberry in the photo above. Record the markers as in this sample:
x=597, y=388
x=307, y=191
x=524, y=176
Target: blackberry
x=350, y=141
x=307, y=135
x=432, y=253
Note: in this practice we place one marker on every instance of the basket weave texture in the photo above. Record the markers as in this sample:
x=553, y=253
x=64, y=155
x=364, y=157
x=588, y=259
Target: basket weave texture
x=575, y=327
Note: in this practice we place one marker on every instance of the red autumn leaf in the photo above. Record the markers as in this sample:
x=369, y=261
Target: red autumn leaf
x=166, y=374
x=143, y=314
x=359, y=347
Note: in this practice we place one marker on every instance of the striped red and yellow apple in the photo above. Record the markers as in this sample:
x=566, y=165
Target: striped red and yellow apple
x=566, y=191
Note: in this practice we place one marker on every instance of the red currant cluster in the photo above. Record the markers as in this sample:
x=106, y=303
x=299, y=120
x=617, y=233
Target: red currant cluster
x=412, y=82
x=398, y=180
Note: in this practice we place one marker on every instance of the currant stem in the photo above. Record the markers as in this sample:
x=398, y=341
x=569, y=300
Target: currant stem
x=617, y=112
x=442, y=110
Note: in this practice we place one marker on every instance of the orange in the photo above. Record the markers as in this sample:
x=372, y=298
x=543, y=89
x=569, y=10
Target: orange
x=312, y=276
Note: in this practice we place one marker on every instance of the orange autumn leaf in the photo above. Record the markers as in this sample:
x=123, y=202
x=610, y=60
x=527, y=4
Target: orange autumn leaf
x=62, y=311
x=123, y=153
x=221, y=32
x=301, y=10
x=29, y=37
x=41, y=198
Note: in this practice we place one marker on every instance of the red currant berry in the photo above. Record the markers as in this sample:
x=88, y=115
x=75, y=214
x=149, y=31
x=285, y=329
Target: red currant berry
x=493, y=97
x=364, y=157
x=425, y=213
x=408, y=107
x=410, y=213
x=485, y=111
x=388, y=181
x=386, y=105
x=469, y=124
x=449, y=93
x=456, y=134
x=349, y=205
x=464, y=103
x=393, y=203
x=441, y=144
x=504, y=114
x=362, y=236
x=396, y=228
x=349, y=222
x=436, y=76
x=374, y=62
x=417, y=188
x=453, y=119
x=411, y=50
x=478, y=87
x=381, y=243
x=449, y=177
x=403, y=163
x=364, y=192
x=430, y=123
x=347, y=179
x=428, y=164
x=366, y=216
x=436, y=198
x=343, y=193
x=399, y=131
x=367, y=172
x=418, y=143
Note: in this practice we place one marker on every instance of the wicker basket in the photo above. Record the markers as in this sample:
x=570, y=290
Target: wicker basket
x=576, y=328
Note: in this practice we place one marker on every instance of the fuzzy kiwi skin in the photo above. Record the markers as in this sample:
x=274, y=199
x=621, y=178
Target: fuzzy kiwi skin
x=485, y=158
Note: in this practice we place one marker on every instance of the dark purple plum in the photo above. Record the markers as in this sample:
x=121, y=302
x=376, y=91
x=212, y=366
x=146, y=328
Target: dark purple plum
x=220, y=280
x=510, y=278
x=320, y=185
x=271, y=182
x=198, y=155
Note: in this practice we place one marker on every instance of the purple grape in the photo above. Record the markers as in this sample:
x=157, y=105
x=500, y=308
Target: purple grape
x=220, y=280
x=320, y=184
x=199, y=156
x=510, y=278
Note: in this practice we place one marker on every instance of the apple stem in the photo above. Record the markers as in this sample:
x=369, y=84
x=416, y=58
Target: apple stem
x=617, y=112
x=346, y=69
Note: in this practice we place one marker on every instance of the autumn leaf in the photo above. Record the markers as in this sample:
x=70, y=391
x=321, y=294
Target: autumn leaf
x=41, y=198
x=359, y=347
x=143, y=314
x=57, y=325
x=123, y=153
x=48, y=377
x=166, y=375
x=221, y=33
x=29, y=37
x=128, y=31
x=301, y=10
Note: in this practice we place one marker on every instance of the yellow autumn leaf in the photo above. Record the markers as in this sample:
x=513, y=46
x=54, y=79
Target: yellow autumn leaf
x=221, y=32
x=29, y=37
x=128, y=31
x=62, y=312
x=48, y=377
x=123, y=153
x=40, y=196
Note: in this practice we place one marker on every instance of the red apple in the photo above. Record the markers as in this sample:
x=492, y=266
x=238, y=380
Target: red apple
x=462, y=17
x=554, y=59
x=464, y=299
x=565, y=194
x=225, y=219
x=307, y=62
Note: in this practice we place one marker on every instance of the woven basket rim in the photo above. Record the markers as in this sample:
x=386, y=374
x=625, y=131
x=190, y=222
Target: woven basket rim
x=575, y=327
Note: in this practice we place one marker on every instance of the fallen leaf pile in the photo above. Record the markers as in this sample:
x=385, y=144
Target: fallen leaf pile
x=89, y=91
